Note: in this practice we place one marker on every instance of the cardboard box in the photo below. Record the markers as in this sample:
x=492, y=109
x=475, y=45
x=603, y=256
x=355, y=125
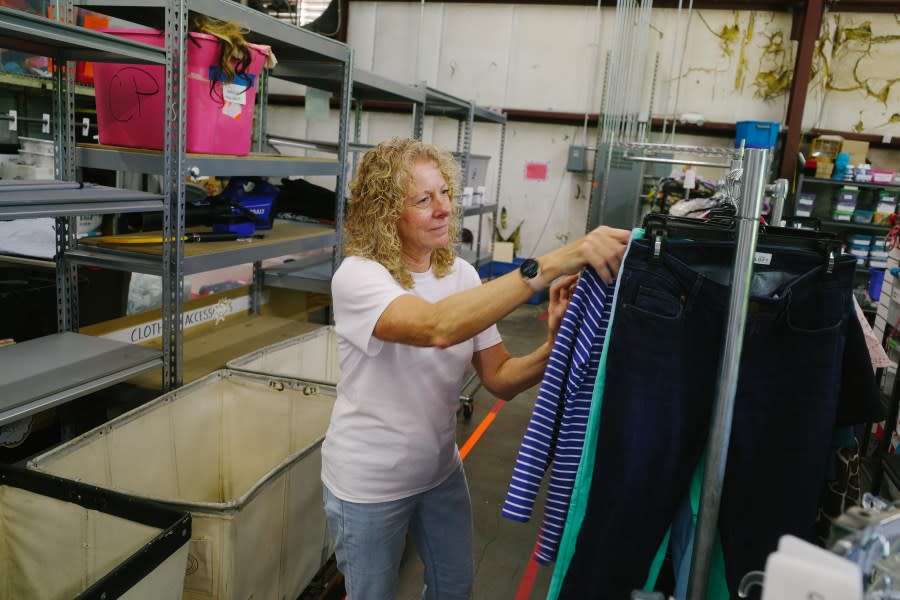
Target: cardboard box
x=856, y=149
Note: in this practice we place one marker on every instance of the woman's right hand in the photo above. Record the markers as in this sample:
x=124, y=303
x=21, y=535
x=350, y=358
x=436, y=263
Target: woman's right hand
x=603, y=248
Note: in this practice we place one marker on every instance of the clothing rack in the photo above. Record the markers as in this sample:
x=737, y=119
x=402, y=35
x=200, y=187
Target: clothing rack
x=754, y=164
x=645, y=152
x=749, y=168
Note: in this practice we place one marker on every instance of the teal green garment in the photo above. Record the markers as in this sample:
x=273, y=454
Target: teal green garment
x=718, y=588
x=582, y=486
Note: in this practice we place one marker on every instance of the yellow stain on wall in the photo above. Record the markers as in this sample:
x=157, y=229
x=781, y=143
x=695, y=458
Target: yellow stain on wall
x=893, y=120
x=776, y=71
x=771, y=75
x=728, y=35
x=852, y=45
x=742, y=57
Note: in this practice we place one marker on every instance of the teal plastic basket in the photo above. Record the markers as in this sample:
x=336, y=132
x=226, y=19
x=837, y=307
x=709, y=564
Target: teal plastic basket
x=756, y=134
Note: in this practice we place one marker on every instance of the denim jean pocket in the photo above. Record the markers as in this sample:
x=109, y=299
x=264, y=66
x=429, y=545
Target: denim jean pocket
x=804, y=323
x=657, y=302
x=817, y=314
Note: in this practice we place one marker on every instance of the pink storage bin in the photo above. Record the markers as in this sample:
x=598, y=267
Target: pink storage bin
x=131, y=98
x=882, y=176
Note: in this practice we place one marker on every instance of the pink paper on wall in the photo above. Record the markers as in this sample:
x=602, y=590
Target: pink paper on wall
x=536, y=171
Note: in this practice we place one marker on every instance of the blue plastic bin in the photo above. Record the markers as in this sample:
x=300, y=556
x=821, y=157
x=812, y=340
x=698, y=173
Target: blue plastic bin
x=876, y=281
x=756, y=134
x=497, y=268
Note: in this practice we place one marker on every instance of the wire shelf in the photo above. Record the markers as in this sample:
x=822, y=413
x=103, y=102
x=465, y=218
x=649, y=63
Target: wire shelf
x=649, y=150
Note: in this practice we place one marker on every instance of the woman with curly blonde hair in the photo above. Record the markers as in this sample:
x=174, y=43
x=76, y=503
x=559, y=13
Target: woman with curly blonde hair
x=410, y=317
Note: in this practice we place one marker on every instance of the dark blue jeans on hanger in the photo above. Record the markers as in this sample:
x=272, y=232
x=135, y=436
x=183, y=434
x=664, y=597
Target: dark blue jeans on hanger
x=660, y=387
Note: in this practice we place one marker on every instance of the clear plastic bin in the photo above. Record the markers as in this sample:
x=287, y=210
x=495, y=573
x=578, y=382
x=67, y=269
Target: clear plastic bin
x=62, y=540
x=242, y=453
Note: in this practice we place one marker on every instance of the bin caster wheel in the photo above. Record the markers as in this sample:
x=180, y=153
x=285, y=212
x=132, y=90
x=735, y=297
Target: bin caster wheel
x=468, y=409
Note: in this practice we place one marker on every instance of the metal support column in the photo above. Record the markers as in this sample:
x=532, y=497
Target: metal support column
x=256, y=288
x=464, y=142
x=807, y=22
x=173, y=209
x=343, y=133
x=418, y=117
x=64, y=169
x=262, y=103
x=496, y=199
x=357, y=128
x=753, y=188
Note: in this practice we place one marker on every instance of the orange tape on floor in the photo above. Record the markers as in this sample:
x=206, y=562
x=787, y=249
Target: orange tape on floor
x=531, y=569
x=482, y=427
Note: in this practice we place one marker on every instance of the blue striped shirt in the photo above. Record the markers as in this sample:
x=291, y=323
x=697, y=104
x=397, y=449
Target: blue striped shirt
x=559, y=419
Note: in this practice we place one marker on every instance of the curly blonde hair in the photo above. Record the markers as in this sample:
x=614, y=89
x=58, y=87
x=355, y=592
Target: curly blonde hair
x=378, y=194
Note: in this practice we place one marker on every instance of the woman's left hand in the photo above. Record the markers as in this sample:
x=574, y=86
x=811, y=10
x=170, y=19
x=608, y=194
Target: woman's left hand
x=560, y=294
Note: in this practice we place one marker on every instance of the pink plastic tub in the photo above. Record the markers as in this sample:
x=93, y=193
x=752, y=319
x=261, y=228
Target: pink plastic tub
x=131, y=98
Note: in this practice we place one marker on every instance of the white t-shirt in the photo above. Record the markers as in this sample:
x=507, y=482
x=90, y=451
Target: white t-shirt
x=393, y=428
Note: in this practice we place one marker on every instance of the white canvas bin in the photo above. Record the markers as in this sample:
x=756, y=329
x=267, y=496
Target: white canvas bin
x=62, y=540
x=242, y=453
x=309, y=357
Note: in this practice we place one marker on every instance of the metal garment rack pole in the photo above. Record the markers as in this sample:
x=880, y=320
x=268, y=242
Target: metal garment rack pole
x=753, y=188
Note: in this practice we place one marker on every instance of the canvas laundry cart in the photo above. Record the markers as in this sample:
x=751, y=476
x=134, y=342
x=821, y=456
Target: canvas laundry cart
x=242, y=453
x=313, y=357
x=309, y=357
x=62, y=540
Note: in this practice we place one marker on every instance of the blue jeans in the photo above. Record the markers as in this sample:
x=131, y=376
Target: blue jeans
x=370, y=538
x=660, y=385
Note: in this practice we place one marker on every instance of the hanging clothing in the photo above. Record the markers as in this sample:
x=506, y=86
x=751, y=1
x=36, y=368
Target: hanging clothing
x=684, y=520
x=555, y=432
x=669, y=322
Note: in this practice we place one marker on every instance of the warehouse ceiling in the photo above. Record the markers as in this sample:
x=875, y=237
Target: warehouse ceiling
x=864, y=6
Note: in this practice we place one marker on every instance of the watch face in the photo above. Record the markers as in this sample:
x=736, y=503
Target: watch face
x=529, y=268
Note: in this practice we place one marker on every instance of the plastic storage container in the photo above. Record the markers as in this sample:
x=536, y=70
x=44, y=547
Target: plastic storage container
x=876, y=281
x=311, y=357
x=65, y=540
x=497, y=268
x=242, y=453
x=131, y=98
x=806, y=202
x=756, y=134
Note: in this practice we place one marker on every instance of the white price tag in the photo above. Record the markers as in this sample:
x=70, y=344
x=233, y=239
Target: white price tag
x=231, y=110
x=762, y=258
x=235, y=93
x=690, y=179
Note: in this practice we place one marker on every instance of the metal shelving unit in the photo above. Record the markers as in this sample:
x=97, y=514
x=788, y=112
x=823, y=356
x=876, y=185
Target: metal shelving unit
x=290, y=43
x=48, y=371
x=826, y=190
x=313, y=274
x=43, y=37
x=34, y=199
x=151, y=161
x=284, y=238
x=466, y=113
x=303, y=57
x=860, y=184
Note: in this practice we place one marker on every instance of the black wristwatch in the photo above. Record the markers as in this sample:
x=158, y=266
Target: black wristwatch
x=530, y=270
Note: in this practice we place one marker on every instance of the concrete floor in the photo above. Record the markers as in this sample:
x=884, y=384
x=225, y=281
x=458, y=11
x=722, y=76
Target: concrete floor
x=502, y=547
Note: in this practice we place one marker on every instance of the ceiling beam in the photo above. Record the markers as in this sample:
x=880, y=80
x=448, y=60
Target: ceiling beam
x=861, y=6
